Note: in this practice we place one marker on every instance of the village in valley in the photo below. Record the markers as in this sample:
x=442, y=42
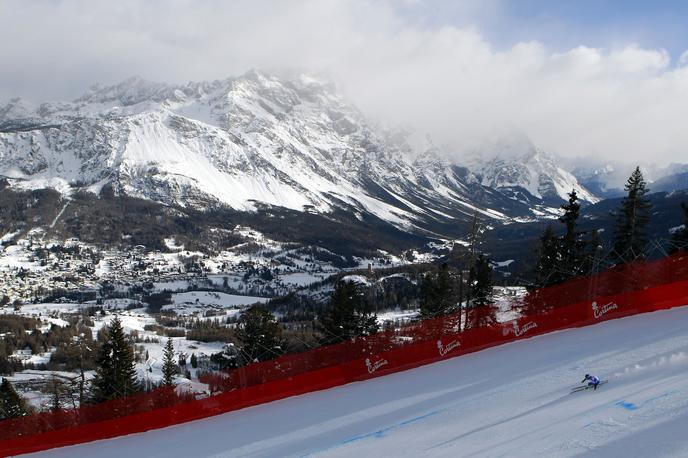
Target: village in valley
x=63, y=293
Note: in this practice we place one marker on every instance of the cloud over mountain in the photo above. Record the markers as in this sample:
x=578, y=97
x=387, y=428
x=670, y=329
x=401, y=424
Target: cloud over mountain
x=623, y=101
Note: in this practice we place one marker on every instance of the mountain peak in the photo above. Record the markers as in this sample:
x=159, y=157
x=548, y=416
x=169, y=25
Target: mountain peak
x=516, y=164
x=131, y=91
x=17, y=108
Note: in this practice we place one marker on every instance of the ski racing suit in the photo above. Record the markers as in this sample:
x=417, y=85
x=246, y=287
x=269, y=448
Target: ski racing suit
x=592, y=381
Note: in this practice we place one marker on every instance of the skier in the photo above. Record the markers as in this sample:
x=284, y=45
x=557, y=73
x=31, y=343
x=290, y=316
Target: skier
x=592, y=381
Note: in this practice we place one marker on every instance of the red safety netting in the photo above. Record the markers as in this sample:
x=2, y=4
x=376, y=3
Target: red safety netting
x=622, y=291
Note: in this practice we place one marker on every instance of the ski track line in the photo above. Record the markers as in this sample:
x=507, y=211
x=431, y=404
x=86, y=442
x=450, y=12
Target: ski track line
x=375, y=434
x=497, y=423
x=381, y=432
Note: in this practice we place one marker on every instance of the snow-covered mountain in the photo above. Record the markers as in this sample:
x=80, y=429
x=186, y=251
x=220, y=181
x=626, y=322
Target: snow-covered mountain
x=258, y=140
x=606, y=179
x=515, y=166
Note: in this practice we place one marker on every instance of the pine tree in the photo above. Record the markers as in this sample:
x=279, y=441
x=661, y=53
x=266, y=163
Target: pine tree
x=480, y=278
x=169, y=364
x=116, y=370
x=57, y=392
x=630, y=236
x=571, y=245
x=547, y=268
x=260, y=334
x=439, y=296
x=592, y=254
x=12, y=404
x=428, y=295
x=679, y=240
x=481, y=316
x=347, y=315
x=481, y=312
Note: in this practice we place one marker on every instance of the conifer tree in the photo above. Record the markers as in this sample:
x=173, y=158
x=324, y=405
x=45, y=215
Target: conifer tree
x=439, y=296
x=194, y=360
x=347, y=315
x=12, y=404
x=169, y=364
x=571, y=245
x=428, y=295
x=260, y=335
x=115, y=366
x=680, y=238
x=630, y=235
x=481, y=316
x=481, y=312
x=57, y=392
x=480, y=279
x=548, y=266
x=592, y=254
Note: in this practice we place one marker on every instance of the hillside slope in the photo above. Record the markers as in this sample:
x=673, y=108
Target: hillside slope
x=511, y=400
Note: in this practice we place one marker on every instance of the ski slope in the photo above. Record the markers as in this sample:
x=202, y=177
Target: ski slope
x=512, y=401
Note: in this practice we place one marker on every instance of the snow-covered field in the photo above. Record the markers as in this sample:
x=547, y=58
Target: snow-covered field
x=510, y=401
x=198, y=301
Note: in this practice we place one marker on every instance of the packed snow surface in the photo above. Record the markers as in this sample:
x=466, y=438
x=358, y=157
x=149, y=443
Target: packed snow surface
x=511, y=400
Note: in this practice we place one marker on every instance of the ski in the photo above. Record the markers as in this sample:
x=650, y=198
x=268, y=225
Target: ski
x=586, y=387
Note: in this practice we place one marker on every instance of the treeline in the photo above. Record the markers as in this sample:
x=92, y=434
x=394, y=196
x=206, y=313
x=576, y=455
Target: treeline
x=115, y=376
x=102, y=220
x=19, y=333
x=578, y=253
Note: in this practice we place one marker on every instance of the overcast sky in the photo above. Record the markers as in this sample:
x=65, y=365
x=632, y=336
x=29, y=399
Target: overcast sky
x=591, y=77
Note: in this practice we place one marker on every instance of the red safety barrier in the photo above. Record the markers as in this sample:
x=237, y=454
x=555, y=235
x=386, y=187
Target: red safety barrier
x=619, y=292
